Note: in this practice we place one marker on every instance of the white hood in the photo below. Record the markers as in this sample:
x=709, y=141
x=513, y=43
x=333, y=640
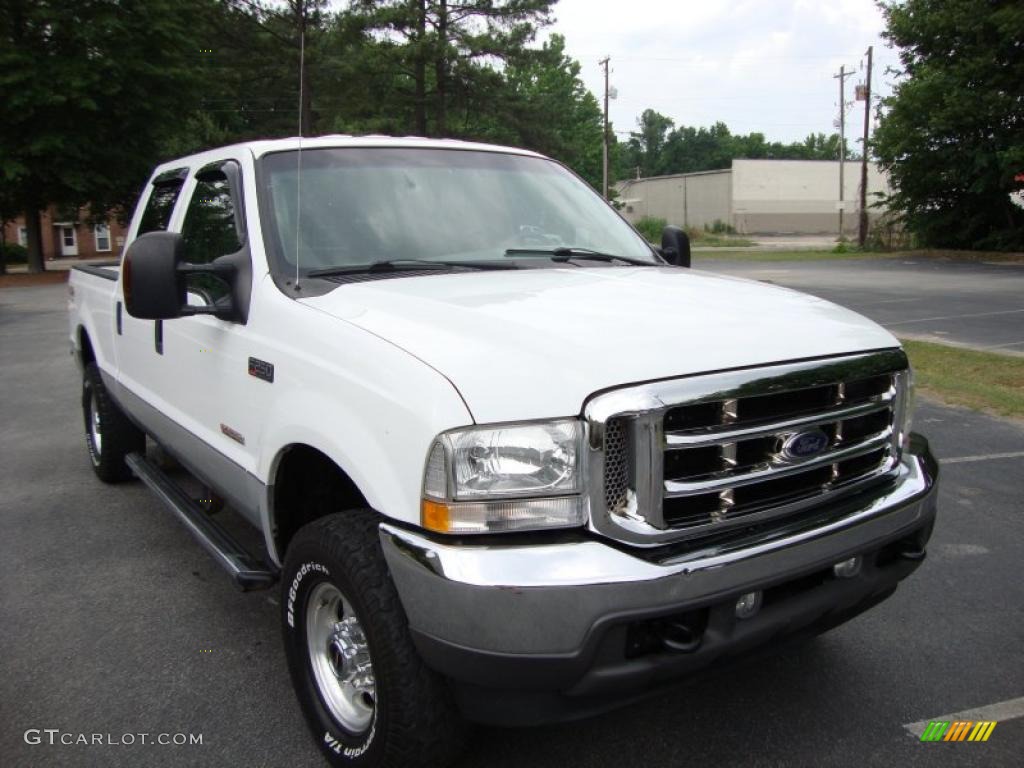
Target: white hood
x=535, y=343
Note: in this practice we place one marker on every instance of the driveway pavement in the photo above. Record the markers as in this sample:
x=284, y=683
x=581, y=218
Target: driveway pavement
x=975, y=304
x=115, y=622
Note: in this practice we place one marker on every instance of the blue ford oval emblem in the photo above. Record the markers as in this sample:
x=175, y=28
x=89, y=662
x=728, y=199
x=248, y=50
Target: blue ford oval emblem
x=803, y=445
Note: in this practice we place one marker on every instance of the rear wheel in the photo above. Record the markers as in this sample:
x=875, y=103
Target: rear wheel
x=368, y=698
x=109, y=435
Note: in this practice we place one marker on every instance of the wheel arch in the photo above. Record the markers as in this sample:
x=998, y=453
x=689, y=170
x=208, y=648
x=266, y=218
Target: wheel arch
x=84, y=352
x=305, y=485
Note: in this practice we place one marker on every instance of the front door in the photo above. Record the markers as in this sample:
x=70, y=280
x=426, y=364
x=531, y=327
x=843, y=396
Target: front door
x=207, y=384
x=193, y=372
x=68, y=241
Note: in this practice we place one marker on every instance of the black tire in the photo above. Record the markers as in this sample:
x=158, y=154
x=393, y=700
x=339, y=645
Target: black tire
x=413, y=719
x=117, y=436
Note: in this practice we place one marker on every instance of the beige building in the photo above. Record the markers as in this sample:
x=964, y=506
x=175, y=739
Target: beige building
x=757, y=196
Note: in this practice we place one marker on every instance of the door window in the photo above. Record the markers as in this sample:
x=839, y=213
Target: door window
x=211, y=229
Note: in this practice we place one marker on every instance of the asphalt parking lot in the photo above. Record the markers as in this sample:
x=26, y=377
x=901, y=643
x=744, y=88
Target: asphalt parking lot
x=115, y=622
x=976, y=304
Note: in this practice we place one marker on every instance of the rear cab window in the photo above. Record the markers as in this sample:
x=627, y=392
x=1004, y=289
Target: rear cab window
x=163, y=196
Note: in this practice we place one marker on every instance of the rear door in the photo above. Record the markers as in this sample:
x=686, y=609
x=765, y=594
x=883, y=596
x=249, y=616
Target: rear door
x=136, y=342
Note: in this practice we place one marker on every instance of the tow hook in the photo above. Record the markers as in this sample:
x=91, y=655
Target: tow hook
x=913, y=553
x=679, y=636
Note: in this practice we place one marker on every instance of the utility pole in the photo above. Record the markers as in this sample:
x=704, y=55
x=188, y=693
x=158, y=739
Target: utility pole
x=604, y=156
x=862, y=230
x=843, y=74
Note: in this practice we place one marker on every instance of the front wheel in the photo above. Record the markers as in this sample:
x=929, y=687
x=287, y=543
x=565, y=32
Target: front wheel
x=367, y=697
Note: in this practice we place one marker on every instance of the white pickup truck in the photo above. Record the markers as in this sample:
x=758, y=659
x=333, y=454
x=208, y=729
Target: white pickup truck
x=508, y=461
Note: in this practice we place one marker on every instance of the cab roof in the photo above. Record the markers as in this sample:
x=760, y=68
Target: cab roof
x=263, y=147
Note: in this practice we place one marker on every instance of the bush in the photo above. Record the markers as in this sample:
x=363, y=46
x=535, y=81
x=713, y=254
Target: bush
x=650, y=227
x=719, y=227
x=888, y=234
x=14, y=253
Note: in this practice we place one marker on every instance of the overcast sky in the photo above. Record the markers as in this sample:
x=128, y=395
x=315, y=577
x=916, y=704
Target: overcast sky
x=756, y=65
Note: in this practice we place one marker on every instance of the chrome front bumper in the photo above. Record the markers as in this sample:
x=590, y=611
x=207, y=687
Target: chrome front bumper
x=549, y=600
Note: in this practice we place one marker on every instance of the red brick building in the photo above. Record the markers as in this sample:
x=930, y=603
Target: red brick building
x=65, y=238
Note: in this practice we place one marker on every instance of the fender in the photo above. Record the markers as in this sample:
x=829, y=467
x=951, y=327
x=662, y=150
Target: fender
x=383, y=454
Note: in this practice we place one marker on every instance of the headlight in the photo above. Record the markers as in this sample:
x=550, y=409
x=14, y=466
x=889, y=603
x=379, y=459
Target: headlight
x=504, y=478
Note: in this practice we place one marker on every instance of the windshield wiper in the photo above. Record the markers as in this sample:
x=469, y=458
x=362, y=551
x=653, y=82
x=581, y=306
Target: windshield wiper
x=565, y=253
x=401, y=265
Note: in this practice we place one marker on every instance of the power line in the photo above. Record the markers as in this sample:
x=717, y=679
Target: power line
x=699, y=58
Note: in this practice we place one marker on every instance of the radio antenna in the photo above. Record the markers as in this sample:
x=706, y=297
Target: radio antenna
x=298, y=161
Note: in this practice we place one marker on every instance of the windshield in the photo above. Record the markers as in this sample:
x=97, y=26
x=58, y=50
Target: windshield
x=363, y=205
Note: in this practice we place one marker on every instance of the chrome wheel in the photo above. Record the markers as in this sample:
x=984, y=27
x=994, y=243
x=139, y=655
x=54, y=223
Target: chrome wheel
x=340, y=658
x=92, y=418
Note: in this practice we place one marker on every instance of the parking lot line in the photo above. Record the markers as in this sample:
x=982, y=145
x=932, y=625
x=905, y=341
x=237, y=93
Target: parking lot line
x=983, y=457
x=1000, y=711
x=889, y=301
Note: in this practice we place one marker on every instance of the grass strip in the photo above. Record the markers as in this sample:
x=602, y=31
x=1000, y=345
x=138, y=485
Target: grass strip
x=981, y=380
x=725, y=254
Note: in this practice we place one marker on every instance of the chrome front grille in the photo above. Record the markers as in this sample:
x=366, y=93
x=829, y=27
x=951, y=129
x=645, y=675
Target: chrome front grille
x=727, y=460
x=699, y=455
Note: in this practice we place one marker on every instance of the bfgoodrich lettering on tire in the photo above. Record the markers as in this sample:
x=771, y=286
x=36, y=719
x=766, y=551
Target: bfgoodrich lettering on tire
x=368, y=698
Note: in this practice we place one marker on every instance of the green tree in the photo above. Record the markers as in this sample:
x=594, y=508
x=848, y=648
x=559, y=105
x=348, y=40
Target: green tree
x=658, y=148
x=402, y=27
x=250, y=72
x=547, y=108
x=645, y=147
x=265, y=43
x=444, y=45
x=91, y=90
x=952, y=134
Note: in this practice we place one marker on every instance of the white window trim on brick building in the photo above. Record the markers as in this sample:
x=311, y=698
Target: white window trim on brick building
x=101, y=234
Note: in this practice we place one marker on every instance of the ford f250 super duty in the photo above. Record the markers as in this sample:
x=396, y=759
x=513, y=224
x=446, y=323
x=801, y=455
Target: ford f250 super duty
x=508, y=460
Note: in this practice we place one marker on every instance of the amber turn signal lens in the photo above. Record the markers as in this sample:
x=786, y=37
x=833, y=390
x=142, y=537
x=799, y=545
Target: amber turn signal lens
x=126, y=283
x=435, y=516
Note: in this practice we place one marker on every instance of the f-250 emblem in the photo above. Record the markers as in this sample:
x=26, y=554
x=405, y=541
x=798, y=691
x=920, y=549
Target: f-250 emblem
x=803, y=445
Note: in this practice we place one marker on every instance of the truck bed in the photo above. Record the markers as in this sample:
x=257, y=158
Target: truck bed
x=92, y=300
x=108, y=270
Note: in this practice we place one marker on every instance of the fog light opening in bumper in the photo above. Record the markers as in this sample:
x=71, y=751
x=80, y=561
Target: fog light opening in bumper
x=749, y=604
x=847, y=569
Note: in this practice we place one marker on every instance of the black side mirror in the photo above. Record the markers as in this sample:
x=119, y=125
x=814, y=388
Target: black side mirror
x=675, y=246
x=154, y=278
x=154, y=289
